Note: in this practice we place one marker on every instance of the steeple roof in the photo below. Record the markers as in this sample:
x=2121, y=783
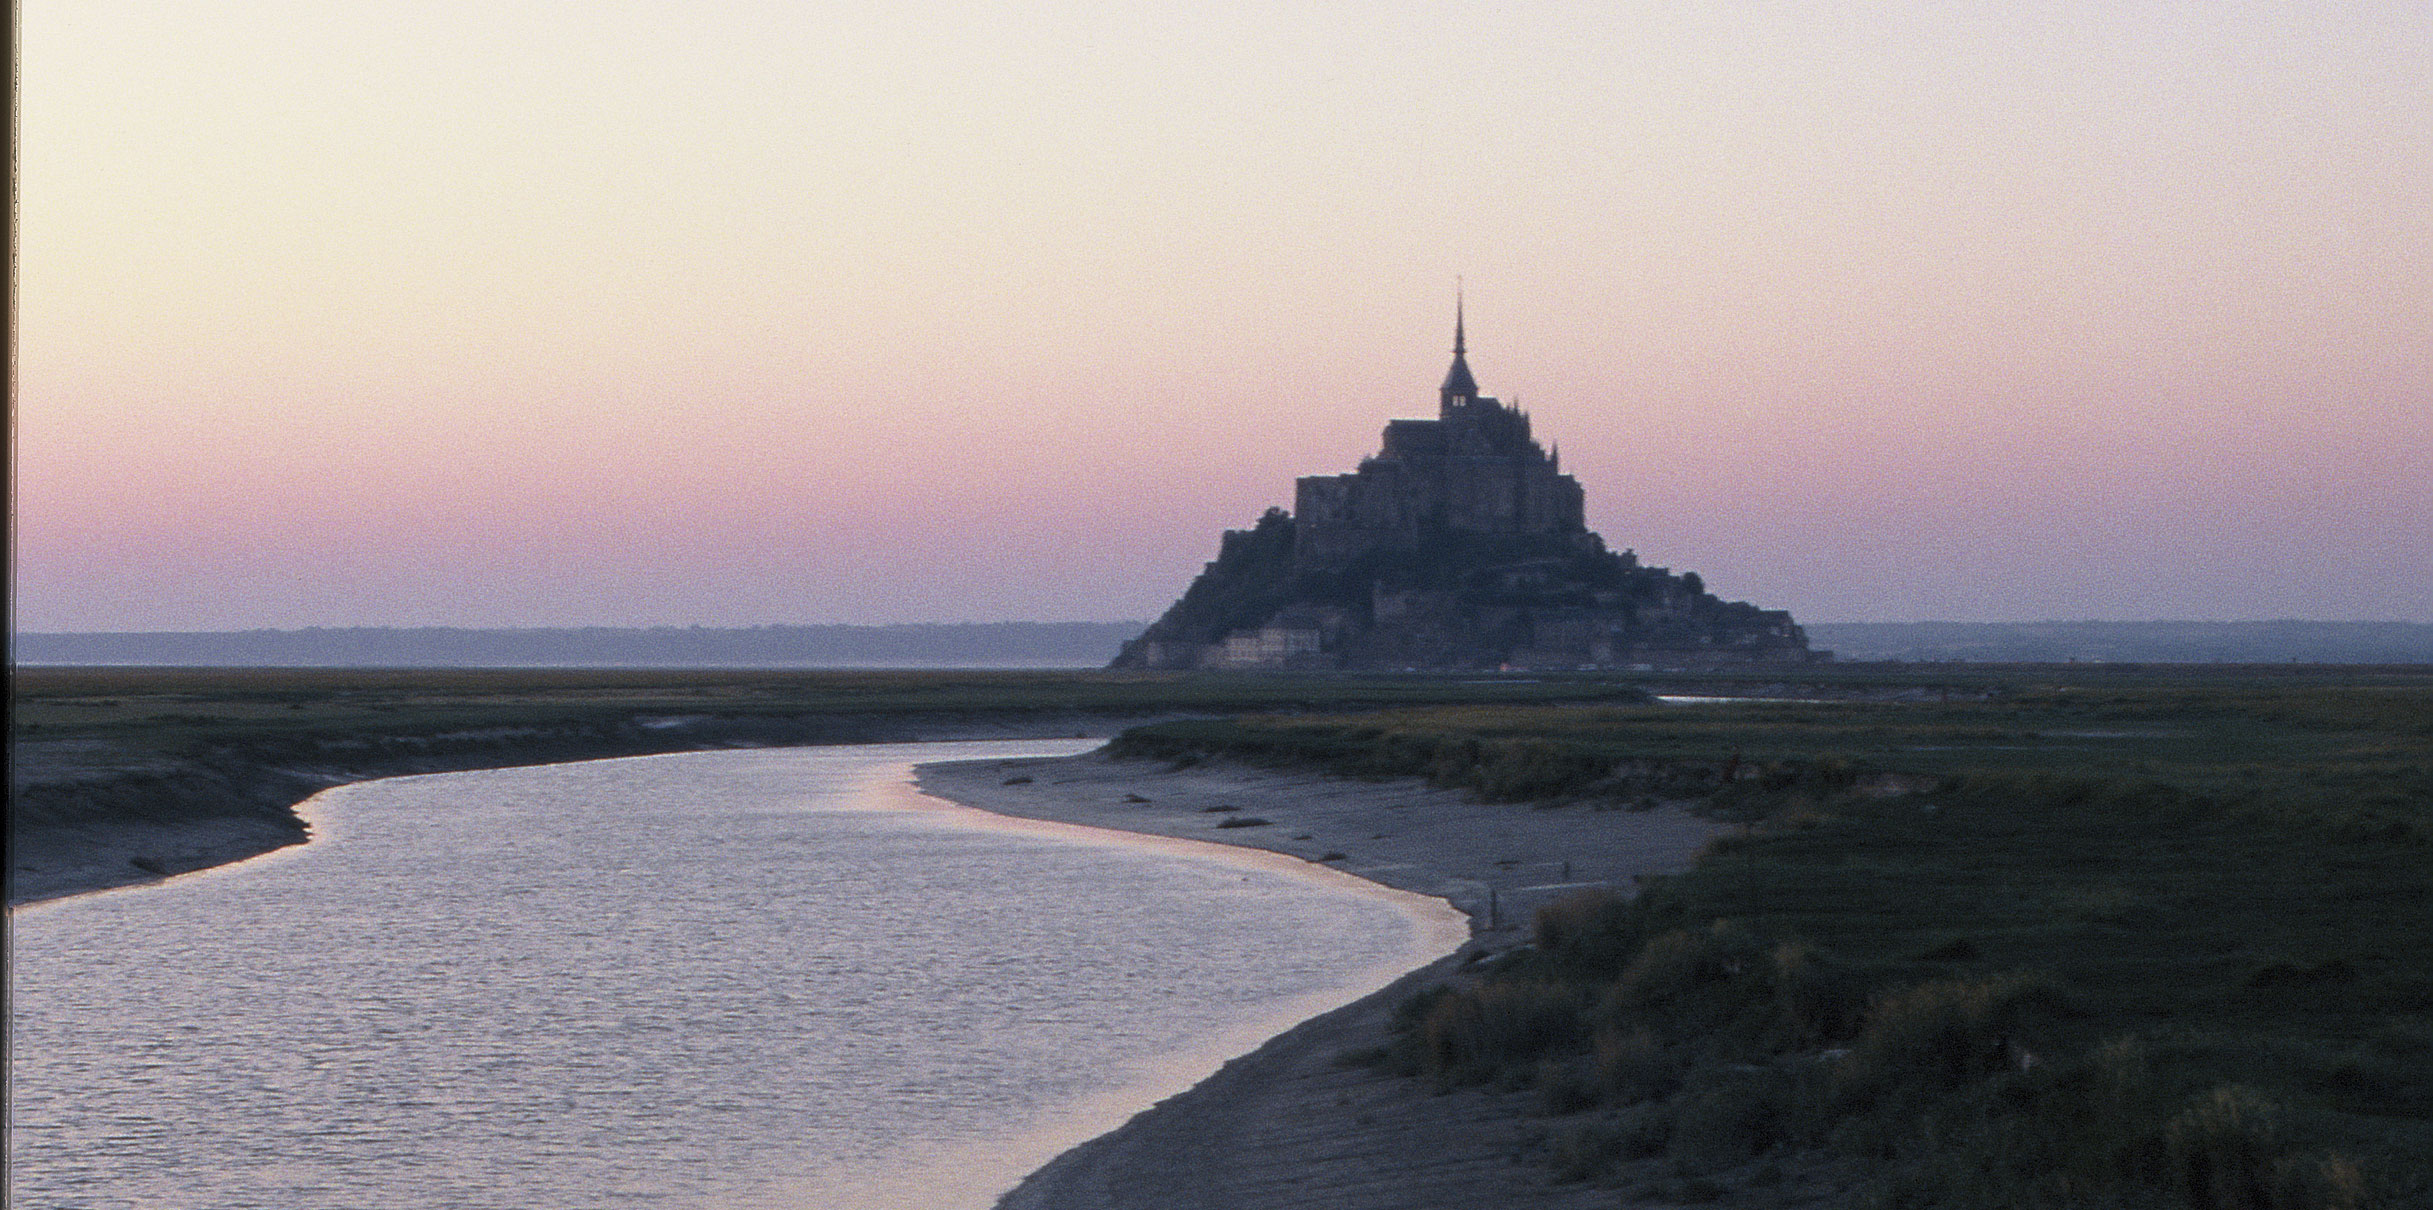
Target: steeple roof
x=1458, y=383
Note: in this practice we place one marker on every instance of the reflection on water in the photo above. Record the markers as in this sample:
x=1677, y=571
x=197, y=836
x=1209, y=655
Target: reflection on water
x=719, y=979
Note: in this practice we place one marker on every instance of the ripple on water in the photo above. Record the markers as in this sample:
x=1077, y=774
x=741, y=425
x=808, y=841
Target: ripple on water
x=720, y=979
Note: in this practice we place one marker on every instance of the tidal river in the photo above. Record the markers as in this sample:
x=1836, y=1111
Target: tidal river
x=729, y=979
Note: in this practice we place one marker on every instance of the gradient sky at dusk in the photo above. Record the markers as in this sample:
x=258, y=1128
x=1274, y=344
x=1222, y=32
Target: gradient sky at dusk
x=533, y=313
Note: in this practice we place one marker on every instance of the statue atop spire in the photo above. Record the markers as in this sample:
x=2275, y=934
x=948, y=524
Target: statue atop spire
x=1459, y=385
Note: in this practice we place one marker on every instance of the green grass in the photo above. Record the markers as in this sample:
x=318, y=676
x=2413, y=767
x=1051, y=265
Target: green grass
x=2091, y=941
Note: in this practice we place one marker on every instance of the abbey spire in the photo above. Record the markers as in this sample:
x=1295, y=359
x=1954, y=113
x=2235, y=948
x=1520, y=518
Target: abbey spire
x=1458, y=383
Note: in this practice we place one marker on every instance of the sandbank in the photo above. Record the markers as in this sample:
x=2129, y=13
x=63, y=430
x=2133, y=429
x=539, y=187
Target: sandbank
x=1289, y=1125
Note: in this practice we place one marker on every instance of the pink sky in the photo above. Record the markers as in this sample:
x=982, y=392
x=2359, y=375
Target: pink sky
x=735, y=313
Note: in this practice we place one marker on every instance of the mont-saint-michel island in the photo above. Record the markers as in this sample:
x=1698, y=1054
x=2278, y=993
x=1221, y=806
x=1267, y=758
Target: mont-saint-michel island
x=1460, y=544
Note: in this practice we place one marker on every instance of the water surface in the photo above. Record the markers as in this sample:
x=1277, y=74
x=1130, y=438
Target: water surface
x=733, y=979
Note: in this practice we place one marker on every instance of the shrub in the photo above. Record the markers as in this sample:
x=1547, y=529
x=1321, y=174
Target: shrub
x=1472, y=1034
x=2104, y=1111
x=1594, y=1148
x=1940, y=1035
x=1816, y=1002
x=1590, y=932
x=2220, y=1151
x=1730, y=1119
x=2324, y=1182
x=1681, y=979
x=1633, y=1066
x=1454, y=762
x=1567, y=1085
x=1520, y=770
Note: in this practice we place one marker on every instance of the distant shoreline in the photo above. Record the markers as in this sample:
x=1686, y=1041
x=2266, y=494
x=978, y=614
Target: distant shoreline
x=977, y=645
x=1075, y=645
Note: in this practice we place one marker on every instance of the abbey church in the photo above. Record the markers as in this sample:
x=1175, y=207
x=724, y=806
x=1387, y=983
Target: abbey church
x=1460, y=545
x=1472, y=470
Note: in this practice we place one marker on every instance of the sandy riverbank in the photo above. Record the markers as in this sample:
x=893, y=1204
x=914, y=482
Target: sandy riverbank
x=73, y=859
x=1287, y=1126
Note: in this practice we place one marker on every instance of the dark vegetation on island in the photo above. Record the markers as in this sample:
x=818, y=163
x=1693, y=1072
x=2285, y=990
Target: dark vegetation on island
x=1449, y=600
x=2029, y=937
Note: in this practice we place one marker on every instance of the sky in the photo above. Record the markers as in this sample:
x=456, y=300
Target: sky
x=736, y=312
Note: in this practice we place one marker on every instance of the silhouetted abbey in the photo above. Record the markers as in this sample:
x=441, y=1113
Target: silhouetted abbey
x=1462, y=544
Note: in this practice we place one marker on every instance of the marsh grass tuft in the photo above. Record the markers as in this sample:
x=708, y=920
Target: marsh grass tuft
x=1479, y=1033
